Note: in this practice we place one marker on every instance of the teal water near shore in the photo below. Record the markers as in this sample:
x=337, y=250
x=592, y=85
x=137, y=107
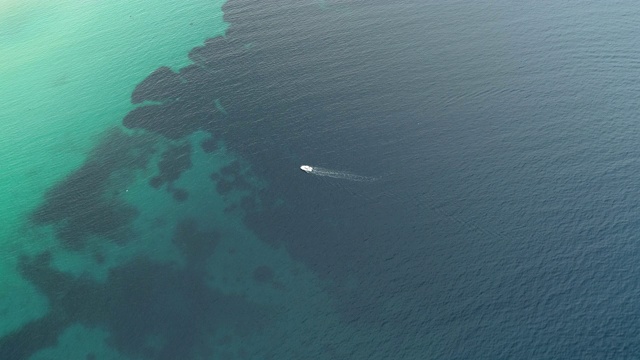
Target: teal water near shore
x=67, y=75
x=68, y=70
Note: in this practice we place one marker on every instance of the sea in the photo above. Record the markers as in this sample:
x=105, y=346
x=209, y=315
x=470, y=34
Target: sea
x=472, y=193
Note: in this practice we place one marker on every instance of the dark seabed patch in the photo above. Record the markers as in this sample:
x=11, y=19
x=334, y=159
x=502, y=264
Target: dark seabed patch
x=81, y=205
x=263, y=274
x=175, y=160
x=162, y=85
x=196, y=246
x=140, y=303
x=230, y=178
x=179, y=195
x=209, y=145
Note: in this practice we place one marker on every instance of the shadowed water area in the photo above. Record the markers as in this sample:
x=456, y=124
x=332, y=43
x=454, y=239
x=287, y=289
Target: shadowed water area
x=499, y=221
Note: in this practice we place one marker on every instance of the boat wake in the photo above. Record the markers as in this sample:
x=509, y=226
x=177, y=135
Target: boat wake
x=314, y=170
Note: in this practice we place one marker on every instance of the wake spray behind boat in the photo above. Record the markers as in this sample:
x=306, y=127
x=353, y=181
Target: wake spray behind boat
x=314, y=170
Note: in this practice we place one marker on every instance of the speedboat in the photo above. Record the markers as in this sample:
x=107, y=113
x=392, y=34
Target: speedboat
x=306, y=168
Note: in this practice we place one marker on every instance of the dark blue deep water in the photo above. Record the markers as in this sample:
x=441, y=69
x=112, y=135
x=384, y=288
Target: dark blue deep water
x=503, y=137
x=505, y=222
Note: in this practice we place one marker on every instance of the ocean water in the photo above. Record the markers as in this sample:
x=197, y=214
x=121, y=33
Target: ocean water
x=481, y=203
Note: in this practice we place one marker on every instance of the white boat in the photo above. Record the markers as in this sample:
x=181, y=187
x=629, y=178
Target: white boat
x=306, y=168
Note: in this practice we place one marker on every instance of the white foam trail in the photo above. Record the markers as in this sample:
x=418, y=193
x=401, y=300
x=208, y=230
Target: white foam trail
x=314, y=170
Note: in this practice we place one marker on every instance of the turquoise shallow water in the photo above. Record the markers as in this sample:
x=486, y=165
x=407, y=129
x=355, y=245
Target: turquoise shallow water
x=67, y=73
x=156, y=209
